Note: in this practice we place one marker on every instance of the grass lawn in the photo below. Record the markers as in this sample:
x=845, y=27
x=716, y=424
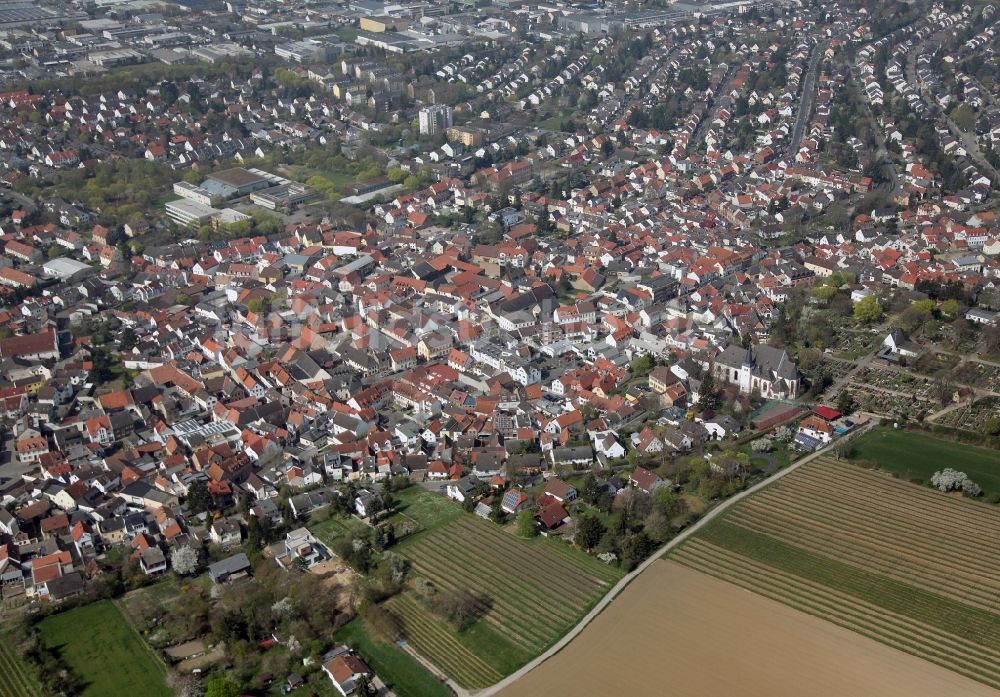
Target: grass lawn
x=398, y=669
x=554, y=122
x=429, y=510
x=105, y=652
x=778, y=457
x=915, y=456
x=17, y=680
x=341, y=180
x=348, y=34
x=334, y=527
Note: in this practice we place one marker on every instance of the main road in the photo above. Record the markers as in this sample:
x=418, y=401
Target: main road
x=620, y=586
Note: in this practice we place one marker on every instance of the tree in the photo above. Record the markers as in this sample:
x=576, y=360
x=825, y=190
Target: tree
x=657, y=526
x=185, y=560
x=222, y=686
x=710, y=398
x=991, y=426
x=950, y=479
x=635, y=548
x=526, y=524
x=824, y=293
x=459, y=607
x=198, y=499
x=845, y=402
x=589, y=531
x=545, y=224
x=809, y=359
x=169, y=93
x=943, y=389
x=916, y=316
x=991, y=339
x=642, y=366
x=129, y=339
x=949, y=307
x=844, y=449
x=868, y=310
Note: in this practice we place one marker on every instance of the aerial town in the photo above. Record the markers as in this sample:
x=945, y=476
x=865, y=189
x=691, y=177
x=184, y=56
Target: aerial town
x=470, y=348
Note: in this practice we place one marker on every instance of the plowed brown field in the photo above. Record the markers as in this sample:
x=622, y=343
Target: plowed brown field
x=678, y=632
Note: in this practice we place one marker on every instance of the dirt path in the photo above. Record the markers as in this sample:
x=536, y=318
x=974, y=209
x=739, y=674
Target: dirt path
x=682, y=633
x=625, y=581
x=834, y=390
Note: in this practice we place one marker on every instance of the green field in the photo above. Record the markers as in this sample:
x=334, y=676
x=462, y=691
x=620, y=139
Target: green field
x=537, y=590
x=905, y=565
x=16, y=679
x=333, y=527
x=430, y=511
x=400, y=671
x=98, y=644
x=916, y=457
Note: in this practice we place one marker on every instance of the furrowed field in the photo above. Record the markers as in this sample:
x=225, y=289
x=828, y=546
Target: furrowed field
x=15, y=680
x=905, y=565
x=537, y=590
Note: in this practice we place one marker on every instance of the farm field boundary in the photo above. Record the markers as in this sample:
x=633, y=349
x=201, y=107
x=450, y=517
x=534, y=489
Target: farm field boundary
x=903, y=564
x=536, y=591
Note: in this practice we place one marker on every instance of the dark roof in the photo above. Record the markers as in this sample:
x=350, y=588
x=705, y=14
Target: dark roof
x=221, y=570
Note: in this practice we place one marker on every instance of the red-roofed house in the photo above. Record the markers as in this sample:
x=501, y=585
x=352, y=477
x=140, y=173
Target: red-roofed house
x=345, y=671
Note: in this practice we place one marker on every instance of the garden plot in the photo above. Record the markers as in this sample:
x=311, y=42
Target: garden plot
x=971, y=417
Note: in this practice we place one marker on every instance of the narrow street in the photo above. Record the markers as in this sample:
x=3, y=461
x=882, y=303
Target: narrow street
x=807, y=97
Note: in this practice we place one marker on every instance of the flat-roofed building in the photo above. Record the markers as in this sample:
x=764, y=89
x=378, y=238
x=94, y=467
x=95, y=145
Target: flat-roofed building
x=186, y=212
x=193, y=193
x=64, y=269
x=234, y=182
x=284, y=196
